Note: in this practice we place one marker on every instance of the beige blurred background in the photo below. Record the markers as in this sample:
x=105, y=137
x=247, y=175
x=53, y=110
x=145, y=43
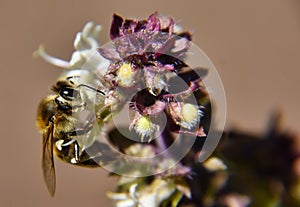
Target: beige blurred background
x=253, y=44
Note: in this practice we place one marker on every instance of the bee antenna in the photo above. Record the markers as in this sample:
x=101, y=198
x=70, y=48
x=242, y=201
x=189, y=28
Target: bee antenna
x=90, y=87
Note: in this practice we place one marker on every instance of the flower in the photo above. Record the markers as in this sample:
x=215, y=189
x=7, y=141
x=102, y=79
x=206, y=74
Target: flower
x=152, y=195
x=151, y=191
x=185, y=114
x=145, y=57
x=85, y=44
x=150, y=45
x=125, y=75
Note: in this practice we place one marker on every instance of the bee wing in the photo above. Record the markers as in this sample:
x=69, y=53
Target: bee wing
x=47, y=160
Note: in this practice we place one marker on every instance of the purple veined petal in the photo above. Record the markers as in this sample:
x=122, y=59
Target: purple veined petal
x=153, y=24
x=169, y=67
x=167, y=24
x=156, y=108
x=124, y=46
x=152, y=41
x=166, y=47
x=109, y=53
x=180, y=45
x=116, y=26
x=136, y=42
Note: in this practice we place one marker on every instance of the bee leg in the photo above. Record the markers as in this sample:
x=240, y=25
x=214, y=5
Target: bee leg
x=68, y=143
x=76, y=152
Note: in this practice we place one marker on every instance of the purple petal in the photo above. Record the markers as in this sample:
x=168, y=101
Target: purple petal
x=125, y=47
x=167, y=24
x=109, y=53
x=136, y=42
x=116, y=26
x=153, y=24
x=156, y=108
x=165, y=48
x=181, y=45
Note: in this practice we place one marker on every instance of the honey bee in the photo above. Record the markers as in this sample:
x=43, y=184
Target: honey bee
x=64, y=134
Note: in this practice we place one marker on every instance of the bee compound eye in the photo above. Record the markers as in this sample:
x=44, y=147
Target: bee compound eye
x=69, y=93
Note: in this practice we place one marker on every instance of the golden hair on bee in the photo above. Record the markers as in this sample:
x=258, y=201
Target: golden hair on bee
x=46, y=109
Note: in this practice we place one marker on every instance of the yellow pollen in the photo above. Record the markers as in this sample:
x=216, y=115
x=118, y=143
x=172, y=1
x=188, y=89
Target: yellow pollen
x=125, y=75
x=144, y=124
x=190, y=113
x=125, y=71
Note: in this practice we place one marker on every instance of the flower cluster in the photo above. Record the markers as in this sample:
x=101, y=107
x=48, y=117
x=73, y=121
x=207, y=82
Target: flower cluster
x=147, y=57
x=147, y=61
